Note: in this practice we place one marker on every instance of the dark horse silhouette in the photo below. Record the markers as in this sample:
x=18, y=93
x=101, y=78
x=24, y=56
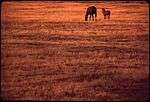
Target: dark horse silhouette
x=106, y=13
x=91, y=11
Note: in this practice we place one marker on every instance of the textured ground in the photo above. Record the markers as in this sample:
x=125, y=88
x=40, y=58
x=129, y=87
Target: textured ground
x=48, y=51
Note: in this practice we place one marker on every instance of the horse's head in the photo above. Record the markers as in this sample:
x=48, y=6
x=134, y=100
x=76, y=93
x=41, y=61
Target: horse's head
x=103, y=9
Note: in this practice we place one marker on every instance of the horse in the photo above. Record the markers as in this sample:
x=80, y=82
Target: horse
x=92, y=10
x=106, y=13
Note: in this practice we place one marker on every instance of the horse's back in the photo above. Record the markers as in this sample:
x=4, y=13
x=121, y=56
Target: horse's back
x=91, y=9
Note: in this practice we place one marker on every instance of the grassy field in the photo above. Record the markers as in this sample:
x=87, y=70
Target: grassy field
x=48, y=51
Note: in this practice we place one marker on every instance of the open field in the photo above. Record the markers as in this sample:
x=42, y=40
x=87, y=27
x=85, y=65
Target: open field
x=48, y=51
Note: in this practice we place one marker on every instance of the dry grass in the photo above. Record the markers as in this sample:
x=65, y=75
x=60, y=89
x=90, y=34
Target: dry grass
x=50, y=53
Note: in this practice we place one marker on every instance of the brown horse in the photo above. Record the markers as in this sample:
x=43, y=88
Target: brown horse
x=91, y=11
x=106, y=13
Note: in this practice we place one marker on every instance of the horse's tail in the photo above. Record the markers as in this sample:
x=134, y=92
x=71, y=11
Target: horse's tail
x=95, y=12
x=86, y=16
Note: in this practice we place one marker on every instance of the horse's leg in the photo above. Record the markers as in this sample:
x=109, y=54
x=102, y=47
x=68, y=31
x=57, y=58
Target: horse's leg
x=90, y=17
x=93, y=17
x=108, y=16
x=104, y=16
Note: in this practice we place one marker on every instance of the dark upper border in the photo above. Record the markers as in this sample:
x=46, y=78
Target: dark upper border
x=77, y=0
